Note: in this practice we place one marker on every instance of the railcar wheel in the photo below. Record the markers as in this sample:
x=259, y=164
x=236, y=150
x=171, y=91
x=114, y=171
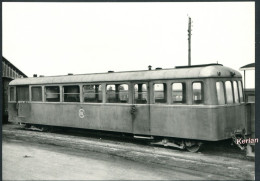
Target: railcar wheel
x=192, y=146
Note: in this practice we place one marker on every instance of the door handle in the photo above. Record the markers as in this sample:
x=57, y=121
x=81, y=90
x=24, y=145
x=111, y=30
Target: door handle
x=133, y=109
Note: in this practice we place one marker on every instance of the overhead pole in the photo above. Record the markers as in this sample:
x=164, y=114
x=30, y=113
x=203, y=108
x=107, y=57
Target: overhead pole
x=189, y=42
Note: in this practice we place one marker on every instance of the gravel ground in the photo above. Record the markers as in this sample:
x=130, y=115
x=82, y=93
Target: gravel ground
x=218, y=158
x=32, y=161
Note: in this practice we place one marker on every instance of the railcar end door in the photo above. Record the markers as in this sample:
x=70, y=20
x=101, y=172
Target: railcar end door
x=141, y=109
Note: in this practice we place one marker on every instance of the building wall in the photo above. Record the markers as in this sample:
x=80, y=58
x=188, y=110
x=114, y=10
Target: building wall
x=9, y=72
x=249, y=85
x=250, y=79
x=5, y=82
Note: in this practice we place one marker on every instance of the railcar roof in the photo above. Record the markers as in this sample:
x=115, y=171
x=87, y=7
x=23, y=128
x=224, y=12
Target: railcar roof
x=173, y=73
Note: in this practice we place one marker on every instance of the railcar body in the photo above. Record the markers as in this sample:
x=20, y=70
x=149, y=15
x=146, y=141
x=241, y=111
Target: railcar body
x=199, y=102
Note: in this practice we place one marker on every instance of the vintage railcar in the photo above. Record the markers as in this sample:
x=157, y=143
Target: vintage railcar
x=182, y=106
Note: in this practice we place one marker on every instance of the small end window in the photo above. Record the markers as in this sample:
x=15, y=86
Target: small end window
x=197, y=91
x=240, y=88
x=236, y=96
x=12, y=95
x=220, y=93
x=229, y=93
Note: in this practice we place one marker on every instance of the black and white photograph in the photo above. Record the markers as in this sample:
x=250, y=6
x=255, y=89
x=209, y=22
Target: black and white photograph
x=128, y=90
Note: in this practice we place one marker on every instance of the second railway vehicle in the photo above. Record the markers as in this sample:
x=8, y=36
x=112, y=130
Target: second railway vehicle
x=180, y=107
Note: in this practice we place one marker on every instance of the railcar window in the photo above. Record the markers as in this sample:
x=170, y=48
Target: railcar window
x=22, y=93
x=160, y=93
x=240, y=88
x=229, y=94
x=220, y=92
x=235, y=92
x=178, y=93
x=197, y=92
x=71, y=94
x=36, y=93
x=92, y=93
x=52, y=94
x=12, y=97
x=140, y=94
x=117, y=93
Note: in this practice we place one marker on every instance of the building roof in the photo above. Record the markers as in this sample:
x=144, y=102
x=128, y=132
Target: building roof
x=143, y=75
x=12, y=66
x=250, y=66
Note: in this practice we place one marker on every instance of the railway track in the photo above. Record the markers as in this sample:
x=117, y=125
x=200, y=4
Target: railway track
x=224, y=148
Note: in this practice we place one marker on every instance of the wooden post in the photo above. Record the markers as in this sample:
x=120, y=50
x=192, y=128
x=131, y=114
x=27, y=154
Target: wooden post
x=189, y=42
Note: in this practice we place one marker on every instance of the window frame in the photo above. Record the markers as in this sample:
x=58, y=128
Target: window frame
x=202, y=100
x=239, y=82
x=117, y=101
x=224, y=92
x=165, y=91
x=184, y=93
x=232, y=92
x=101, y=92
x=237, y=91
x=147, y=92
x=14, y=94
x=34, y=86
x=63, y=93
x=45, y=93
x=17, y=92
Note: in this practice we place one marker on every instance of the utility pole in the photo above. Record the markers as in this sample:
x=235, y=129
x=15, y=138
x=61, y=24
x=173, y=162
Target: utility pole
x=189, y=40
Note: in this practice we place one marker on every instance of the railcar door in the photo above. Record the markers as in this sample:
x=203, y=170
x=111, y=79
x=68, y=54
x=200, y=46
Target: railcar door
x=141, y=109
x=23, y=107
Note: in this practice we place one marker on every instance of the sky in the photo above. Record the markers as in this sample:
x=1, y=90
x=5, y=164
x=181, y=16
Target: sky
x=61, y=38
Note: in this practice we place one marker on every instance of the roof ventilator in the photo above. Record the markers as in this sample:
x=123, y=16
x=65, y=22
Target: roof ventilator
x=232, y=74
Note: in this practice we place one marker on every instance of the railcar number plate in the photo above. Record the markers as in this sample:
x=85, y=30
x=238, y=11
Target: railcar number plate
x=81, y=113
